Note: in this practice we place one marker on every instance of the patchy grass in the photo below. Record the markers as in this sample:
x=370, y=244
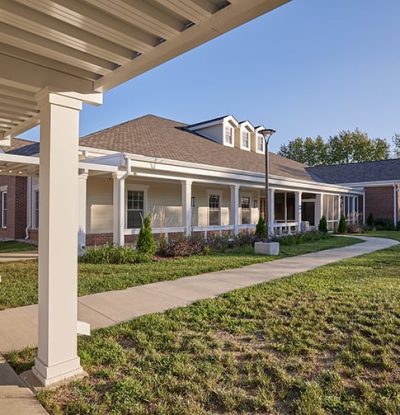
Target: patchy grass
x=322, y=342
x=19, y=280
x=15, y=246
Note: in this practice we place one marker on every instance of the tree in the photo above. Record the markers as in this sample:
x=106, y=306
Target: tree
x=396, y=144
x=146, y=244
x=261, y=228
x=323, y=225
x=344, y=147
x=342, y=227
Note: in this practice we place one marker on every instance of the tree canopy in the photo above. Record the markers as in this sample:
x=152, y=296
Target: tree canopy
x=345, y=147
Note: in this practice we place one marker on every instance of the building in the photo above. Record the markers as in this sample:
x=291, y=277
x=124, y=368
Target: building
x=201, y=178
x=380, y=181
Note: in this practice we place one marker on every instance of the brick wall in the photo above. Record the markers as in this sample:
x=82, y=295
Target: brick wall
x=379, y=202
x=16, y=205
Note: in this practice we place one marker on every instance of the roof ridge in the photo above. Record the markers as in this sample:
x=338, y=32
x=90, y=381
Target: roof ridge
x=354, y=163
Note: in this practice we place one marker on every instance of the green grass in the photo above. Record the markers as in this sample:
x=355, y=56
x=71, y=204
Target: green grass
x=19, y=280
x=385, y=234
x=15, y=246
x=322, y=342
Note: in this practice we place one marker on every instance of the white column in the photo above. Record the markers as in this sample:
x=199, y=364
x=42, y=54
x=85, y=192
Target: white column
x=318, y=209
x=82, y=196
x=364, y=215
x=297, y=212
x=394, y=204
x=271, y=211
x=119, y=208
x=234, y=214
x=187, y=206
x=57, y=341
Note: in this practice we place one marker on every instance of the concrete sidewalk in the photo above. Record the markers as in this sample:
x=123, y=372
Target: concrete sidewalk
x=15, y=397
x=18, y=256
x=18, y=326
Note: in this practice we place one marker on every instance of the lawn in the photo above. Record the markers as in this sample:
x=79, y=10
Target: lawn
x=19, y=280
x=322, y=342
x=15, y=246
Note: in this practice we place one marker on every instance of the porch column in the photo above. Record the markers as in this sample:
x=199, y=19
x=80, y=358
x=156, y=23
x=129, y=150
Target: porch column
x=318, y=208
x=364, y=216
x=119, y=208
x=59, y=137
x=297, y=212
x=234, y=215
x=82, y=196
x=271, y=211
x=187, y=206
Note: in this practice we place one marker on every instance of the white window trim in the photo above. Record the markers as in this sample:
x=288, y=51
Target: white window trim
x=3, y=190
x=35, y=188
x=225, y=126
x=245, y=130
x=138, y=188
x=217, y=193
x=259, y=136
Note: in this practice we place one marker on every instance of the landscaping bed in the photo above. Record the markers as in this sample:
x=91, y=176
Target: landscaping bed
x=19, y=279
x=322, y=342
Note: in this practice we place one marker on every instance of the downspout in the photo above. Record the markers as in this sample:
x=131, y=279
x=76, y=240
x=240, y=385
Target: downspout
x=29, y=208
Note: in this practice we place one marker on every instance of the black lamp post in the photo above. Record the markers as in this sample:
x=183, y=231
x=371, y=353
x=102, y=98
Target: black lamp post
x=266, y=133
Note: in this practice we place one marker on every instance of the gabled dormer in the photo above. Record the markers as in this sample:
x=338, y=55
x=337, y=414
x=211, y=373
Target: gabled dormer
x=246, y=131
x=221, y=130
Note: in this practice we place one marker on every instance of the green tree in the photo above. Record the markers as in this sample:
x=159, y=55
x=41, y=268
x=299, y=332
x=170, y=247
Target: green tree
x=261, y=228
x=323, y=225
x=146, y=244
x=344, y=147
x=396, y=145
x=342, y=227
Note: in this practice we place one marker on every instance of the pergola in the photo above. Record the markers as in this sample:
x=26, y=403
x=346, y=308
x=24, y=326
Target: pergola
x=55, y=56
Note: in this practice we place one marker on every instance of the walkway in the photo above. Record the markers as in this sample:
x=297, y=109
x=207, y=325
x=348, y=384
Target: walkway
x=18, y=256
x=18, y=326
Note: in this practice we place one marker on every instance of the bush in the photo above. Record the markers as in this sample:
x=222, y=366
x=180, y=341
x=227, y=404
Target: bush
x=217, y=244
x=185, y=246
x=383, y=224
x=111, y=254
x=146, y=244
x=354, y=228
x=261, y=228
x=323, y=225
x=370, y=221
x=342, y=227
x=300, y=238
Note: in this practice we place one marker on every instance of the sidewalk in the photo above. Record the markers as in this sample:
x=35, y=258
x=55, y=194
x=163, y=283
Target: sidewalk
x=18, y=326
x=18, y=256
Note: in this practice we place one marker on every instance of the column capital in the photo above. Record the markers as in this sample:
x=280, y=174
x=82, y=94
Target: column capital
x=187, y=182
x=120, y=174
x=46, y=97
x=83, y=174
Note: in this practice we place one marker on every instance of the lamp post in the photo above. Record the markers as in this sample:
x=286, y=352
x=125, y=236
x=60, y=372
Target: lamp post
x=266, y=133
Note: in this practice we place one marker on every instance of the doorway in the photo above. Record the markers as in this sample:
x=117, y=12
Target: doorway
x=308, y=212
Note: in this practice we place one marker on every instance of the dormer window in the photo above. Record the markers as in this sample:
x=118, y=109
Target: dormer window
x=260, y=143
x=229, y=135
x=245, y=140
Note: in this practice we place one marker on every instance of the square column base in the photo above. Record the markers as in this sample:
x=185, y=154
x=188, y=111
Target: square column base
x=57, y=373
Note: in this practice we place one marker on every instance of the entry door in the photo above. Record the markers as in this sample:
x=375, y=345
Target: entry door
x=308, y=212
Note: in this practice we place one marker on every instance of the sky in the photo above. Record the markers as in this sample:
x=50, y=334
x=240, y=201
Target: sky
x=308, y=68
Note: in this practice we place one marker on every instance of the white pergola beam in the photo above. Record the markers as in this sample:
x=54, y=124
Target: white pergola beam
x=188, y=9
x=51, y=28
x=221, y=22
x=22, y=72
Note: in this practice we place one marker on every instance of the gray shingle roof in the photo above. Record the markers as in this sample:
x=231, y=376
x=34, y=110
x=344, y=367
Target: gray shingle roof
x=18, y=146
x=167, y=139
x=368, y=171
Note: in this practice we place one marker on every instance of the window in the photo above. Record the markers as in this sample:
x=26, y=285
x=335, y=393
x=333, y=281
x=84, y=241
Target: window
x=228, y=135
x=135, y=208
x=245, y=205
x=213, y=205
x=245, y=139
x=260, y=143
x=36, y=209
x=4, y=210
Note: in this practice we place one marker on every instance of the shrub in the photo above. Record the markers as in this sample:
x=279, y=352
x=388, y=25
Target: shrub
x=354, y=228
x=342, y=227
x=243, y=239
x=146, y=244
x=370, y=221
x=261, y=228
x=217, y=244
x=185, y=246
x=323, y=225
x=383, y=224
x=300, y=238
x=162, y=244
x=111, y=254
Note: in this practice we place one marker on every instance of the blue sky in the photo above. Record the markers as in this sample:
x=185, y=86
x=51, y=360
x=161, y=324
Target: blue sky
x=310, y=67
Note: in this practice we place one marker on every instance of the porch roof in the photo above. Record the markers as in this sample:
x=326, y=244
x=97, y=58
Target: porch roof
x=89, y=46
